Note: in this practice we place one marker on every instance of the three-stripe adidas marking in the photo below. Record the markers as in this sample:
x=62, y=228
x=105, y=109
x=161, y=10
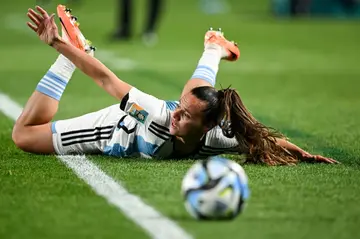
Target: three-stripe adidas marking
x=86, y=135
x=160, y=131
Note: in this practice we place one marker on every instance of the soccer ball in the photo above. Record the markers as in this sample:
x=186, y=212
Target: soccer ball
x=216, y=188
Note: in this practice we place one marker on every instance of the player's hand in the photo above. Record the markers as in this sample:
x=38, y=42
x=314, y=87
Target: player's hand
x=317, y=158
x=44, y=25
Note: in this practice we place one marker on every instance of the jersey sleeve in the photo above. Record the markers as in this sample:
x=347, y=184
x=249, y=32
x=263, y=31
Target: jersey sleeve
x=216, y=141
x=141, y=105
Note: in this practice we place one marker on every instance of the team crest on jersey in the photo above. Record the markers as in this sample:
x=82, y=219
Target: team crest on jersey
x=138, y=113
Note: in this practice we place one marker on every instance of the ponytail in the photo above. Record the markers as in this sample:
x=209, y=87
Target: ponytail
x=256, y=139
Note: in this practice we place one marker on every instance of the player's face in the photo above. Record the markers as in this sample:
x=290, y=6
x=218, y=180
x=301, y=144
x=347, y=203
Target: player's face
x=187, y=119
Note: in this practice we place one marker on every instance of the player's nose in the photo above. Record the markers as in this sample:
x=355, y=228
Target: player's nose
x=176, y=115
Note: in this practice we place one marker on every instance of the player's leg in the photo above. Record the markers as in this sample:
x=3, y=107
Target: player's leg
x=87, y=134
x=32, y=131
x=216, y=47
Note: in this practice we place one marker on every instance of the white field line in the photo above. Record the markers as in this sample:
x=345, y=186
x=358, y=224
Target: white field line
x=153, y=222
x=17, y=23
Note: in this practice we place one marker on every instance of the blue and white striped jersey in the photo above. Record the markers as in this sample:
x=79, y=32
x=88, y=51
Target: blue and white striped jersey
x=143, y=131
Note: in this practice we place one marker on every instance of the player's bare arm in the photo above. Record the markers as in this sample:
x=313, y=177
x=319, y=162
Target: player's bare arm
x=94, y=69
x=302, y=154
x=46, y=28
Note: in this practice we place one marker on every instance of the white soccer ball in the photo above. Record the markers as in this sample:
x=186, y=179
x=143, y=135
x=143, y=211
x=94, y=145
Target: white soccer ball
x=216, y=188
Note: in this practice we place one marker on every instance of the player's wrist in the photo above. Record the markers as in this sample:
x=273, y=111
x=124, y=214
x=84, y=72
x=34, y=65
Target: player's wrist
x=57, y=42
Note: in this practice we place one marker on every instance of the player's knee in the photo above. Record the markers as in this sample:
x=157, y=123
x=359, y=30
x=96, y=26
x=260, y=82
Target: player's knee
x=19, y=137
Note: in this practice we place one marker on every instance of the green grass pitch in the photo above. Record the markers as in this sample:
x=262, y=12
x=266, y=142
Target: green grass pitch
x=299, y=76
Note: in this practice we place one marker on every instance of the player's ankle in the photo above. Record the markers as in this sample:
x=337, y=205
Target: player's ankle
x=213, y=47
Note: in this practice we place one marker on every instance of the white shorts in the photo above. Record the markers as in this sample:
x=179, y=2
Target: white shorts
x=87, y=134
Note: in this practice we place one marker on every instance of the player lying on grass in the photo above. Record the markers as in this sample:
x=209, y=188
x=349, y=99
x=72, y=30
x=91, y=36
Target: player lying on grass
x=205, y=122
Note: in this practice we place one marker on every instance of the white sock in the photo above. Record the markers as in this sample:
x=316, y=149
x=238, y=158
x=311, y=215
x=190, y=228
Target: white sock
x=208, y=65
x=63, y=67
x=54, y=82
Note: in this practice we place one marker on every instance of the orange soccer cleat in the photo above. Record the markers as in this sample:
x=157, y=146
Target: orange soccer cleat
x=71, y=31
x=229, y=49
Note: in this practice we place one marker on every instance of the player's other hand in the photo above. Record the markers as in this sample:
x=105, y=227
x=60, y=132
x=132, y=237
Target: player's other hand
x=317, y=158
x=44, y=25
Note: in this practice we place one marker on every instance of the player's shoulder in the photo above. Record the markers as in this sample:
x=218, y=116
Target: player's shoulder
x=136, y=101
x=159, y=125
x=163, y=119
x=216, y=143
x=171, y=105
x=216, y=138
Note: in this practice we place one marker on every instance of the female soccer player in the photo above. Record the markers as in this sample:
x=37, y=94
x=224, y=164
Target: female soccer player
x=205, y=122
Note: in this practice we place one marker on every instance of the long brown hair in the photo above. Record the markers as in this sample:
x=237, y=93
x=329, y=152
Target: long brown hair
x=257, y=141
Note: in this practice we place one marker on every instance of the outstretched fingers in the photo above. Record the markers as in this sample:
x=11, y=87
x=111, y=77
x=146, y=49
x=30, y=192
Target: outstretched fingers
x=34, y=28
x=326, y=160
x=38, y=18
x=35, y=18
x=35, y=15
x=42, y=11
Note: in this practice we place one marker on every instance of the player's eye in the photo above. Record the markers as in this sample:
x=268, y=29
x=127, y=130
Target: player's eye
x=183, y=114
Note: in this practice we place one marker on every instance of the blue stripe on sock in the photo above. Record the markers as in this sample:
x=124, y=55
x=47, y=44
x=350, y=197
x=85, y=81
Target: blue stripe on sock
x=48, y=92
x=205, y=73
x=53, y=87
x=206, y=68
x=53, y=129
x=57, y=78
x=209, y=80
x=54, y=83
